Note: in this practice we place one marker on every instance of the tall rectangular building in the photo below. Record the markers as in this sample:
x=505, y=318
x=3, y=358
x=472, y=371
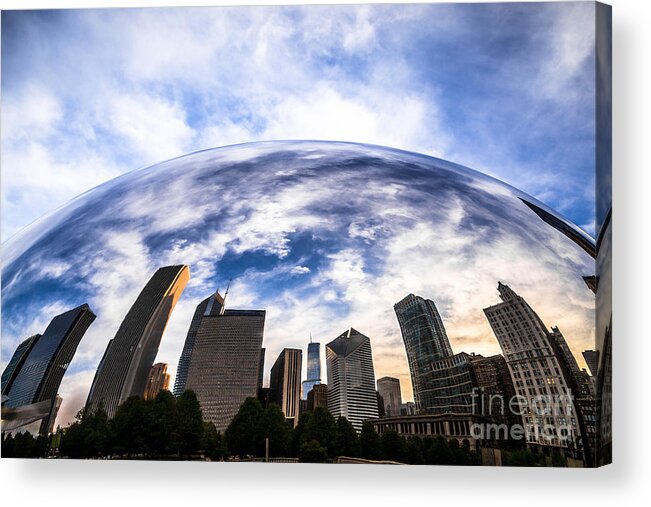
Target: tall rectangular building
x=212, y=305
x=16, y=362
x=549, y=415
x=285, y=380
x=44, y=366
x=389, y=389
x=351, y=378
x=313, y=367
x=124, y=368
x=159, y=380
x=225, y=363
x=317, y=397
x=425, y=342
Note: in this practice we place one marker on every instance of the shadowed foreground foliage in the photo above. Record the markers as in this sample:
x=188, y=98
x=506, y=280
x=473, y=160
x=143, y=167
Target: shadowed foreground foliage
x=172, y=428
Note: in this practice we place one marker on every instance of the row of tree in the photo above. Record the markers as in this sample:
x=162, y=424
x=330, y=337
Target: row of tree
x=168, y=427
x=318, y=438
x=163, y=427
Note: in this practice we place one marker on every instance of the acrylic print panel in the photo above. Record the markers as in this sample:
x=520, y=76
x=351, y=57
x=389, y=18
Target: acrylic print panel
x=254, y=234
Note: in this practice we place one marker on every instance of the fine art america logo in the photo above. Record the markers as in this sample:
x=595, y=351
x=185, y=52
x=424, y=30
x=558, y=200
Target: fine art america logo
x=548, y=418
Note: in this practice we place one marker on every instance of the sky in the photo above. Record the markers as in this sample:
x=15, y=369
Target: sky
x=506, y=89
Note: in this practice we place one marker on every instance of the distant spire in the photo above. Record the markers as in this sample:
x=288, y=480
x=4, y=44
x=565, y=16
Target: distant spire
x=225, y=294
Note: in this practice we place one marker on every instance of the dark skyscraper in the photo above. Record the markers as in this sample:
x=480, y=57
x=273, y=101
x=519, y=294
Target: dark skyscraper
x=124, y=369
x=313, y=367
x=317, y=397
x=285, y=380
x=351, y=378
x=592, y=360
x=212, y=305
x=43, y=369
x=425, y=342
x=261, y=368
x=225, y=363
x=389, y=389
x=16, y=362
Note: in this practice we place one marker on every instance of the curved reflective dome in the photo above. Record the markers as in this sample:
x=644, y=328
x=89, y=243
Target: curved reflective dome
x=324, y=236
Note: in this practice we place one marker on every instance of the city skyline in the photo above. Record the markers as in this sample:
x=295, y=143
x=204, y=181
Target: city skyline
x=319, y=233
x=415, y=314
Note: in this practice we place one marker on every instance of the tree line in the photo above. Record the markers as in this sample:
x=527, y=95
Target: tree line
x=168, y=427
x=319, y=438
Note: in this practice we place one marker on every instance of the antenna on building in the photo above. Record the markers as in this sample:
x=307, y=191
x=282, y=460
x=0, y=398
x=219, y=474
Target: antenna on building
x=225, y=294
x=310, y=336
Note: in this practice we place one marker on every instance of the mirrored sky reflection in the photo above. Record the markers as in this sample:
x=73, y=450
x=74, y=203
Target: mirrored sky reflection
x=323, y=236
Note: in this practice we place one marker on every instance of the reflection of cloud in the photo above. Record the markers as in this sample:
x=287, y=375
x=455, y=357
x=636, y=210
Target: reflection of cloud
x=322, y=243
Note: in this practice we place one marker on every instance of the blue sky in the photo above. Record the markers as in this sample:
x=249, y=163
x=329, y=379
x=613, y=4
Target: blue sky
x=507, y=89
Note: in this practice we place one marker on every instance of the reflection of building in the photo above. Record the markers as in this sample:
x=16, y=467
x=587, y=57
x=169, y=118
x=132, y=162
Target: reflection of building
x=495, y=390
x=451, y=383
x=351, y=378
x=124, y=369
x=425, y=342
x=549, y=416
x=159, y=380
x=408, y=408
x=225, y=363
x=16, y=362
x=43, y=368
x=266, y=396
x=592, y=360
x=317, y=397
x=212, y=305
x=457, y=427
x=261, y=368
x=285, y=379
x=389, y=389
x=313, y=367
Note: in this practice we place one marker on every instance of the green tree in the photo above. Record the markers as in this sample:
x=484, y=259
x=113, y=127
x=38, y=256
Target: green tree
x=393, y=446
x=413, y=451
x=312, y=452
x=369, y=441
x=163, y=436
x=189, y=423
x=244, y=435
x=321, y=427
x=297, y=433
x=346, y=439
x=274, y=426
x=130, y=427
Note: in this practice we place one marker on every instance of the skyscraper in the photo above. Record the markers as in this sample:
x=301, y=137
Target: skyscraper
x=225, y=363
x=261, y=368
x=495, y=390
x=212, y=305
x=317, y=397
x=389, y=389
x=159, y=380
x=425, y=342
x=548, y=413
x=16, y=362
x=313, y=367
x=351, y=378
x=124, y=368
x=285, y=380
x=592, y=360
x=44, y=366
